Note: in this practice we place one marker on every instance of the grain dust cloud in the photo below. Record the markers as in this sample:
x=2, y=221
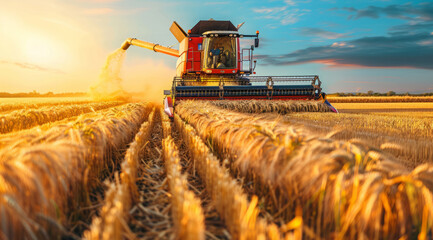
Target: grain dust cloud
x=109, y=86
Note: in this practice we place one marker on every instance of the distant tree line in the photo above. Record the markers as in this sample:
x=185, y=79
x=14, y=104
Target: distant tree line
x=37, y=94
x=371, y=93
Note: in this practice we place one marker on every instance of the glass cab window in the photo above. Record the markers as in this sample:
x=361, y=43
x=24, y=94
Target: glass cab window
x=219, y=52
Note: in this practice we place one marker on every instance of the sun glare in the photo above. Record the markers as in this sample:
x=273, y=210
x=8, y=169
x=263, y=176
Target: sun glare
x=39, y=49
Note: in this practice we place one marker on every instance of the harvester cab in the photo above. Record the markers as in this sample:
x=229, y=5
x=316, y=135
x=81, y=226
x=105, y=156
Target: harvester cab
x=212, y=65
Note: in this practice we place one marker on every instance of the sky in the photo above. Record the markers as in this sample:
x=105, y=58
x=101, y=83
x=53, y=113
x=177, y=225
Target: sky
x=354, y=46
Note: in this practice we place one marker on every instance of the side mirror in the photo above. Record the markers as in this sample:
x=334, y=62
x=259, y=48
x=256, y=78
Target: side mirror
x=256, y=42
x=167, y=92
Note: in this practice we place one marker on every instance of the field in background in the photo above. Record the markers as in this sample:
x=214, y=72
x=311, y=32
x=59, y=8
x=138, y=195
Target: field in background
x=418, y=109
x=219, y=170
x=43, y=100
x=380, y=99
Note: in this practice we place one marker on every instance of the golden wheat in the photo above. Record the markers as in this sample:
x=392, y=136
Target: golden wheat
x=239, y=214
x=347, y=187
x=410, y=137
x=264, y=106
x=186, y=209
x=121, y=194
x=389, y=125
x=187, y=213
x=58, y=170
x=11, y=104
x=22, y=119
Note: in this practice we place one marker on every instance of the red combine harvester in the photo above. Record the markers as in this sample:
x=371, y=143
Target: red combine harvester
x=212, y=66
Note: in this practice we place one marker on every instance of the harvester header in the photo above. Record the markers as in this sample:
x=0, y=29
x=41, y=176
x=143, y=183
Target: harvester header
x=212, y=65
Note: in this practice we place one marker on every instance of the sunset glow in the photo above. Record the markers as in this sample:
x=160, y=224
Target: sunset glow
x=61, y=46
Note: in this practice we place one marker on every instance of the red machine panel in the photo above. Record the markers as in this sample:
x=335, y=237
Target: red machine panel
x=195, y=48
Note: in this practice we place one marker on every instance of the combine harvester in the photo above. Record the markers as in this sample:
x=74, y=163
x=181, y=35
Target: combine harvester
x=212, y=66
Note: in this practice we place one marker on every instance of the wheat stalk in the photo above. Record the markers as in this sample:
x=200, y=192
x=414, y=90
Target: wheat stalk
x=122, y=193
x=347, y=185
x=52, y=177
x=239, y=214
x=22, y=119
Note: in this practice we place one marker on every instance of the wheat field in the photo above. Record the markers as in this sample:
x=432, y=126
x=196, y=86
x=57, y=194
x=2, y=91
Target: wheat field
x=80, y=169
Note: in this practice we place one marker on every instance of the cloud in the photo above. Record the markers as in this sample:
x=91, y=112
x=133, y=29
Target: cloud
x=283, y=14
x=216, y=3
x=30, y=66
x=426, y=43
x=273, y=10
x=401, y=51
x=290, y=2
x=337, y=44
x=349, y=9
x=422, y=11
x=411, y=28
x=317, y=32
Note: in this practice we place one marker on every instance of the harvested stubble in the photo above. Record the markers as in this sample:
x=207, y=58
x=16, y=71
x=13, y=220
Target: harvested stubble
x=239, y=214
x=151, y=215
x=187, y=213
x=264, y=106
x=45, y=183
x=346, y=189
x=121, y=194
x=166, y=126
x=22, y=119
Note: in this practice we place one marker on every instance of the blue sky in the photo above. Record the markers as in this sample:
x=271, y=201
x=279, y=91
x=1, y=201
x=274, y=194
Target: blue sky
x=351, y=45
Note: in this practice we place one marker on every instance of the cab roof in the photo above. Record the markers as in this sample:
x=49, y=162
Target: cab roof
x=212, y=25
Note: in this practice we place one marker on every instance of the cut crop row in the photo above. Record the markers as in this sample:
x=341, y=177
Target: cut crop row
x=22, y=119
x=122, y=193
x=187, y=213
x=239, y=214
x=151, y=214
x=46, y=184
x=346, y=189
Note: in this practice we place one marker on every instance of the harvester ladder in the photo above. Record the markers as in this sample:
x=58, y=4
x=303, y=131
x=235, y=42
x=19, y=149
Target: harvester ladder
x=221, y=88
x=191, y=58
x=270, y=85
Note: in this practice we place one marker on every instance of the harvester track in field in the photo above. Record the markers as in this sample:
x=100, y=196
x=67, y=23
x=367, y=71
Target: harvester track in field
x=151, y=217
x=215, y=227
